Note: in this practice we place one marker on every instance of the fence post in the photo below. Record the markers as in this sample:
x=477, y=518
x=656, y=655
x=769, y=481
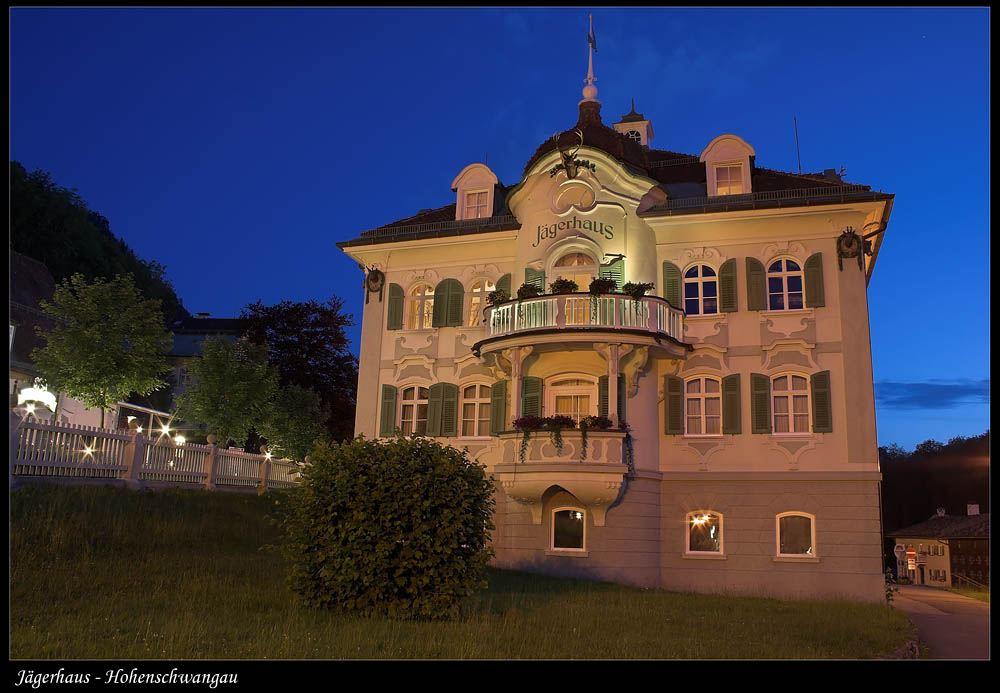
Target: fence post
x=135, y=455
x=210, y=462
x=265, y=469
x=15, y=434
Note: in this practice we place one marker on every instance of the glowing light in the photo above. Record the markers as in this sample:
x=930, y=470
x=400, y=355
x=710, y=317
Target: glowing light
x=267, y=455
x=87, y=450
x=171, y=463
x=139, y=429
x=180, y=440
x=38, y=393
x=166, y=430
x=30, y=408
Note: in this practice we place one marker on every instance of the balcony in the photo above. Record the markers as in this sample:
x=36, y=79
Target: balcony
x=583, y=317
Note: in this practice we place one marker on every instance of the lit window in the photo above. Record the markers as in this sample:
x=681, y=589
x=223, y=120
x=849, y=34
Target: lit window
x=701, y=291
x=703, y=407
x=729, y=179
x=784, y=285
x=572, y=397
x=475, y=411
x=704, y=534
x=634, y=135
x=579, y=267
x=475, y=205
x=413, y=412
x=796, y=535
x=790, y=398
x=568, y=526
x=420, y=308
x=477, y=300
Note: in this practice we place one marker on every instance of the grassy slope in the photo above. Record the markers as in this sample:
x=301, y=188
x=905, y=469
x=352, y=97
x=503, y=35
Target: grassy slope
x=107, y=573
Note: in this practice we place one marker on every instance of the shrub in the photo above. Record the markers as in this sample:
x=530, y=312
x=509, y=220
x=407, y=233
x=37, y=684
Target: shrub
x=527, y=291
x=603, y=285
x=563, y=286
x=399, y=528
x=496, y=297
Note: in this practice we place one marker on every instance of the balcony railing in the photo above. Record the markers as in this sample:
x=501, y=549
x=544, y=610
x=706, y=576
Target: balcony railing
x=606, y=311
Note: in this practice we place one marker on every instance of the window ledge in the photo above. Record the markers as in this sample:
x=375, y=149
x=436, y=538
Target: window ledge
x=793, y=311
x=569, y=553
x=696, y=436
x=704, y=556
x=705, y=317
x=792, y=436
x=795, y=559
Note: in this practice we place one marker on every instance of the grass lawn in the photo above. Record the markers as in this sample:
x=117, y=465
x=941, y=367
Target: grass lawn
x=101, y=572
x=974, y=594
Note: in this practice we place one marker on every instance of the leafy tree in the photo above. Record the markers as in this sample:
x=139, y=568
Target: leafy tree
x=231, y=388
x=296, y=420
x=396, y=527
x=307, y=344
x=107, y=341
x=928, y=447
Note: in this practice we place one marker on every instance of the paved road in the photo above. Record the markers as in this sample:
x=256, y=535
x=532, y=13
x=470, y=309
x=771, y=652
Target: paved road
x=952, y=626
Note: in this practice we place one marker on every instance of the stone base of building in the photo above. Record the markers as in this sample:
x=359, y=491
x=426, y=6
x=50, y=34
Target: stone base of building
x=643, y=539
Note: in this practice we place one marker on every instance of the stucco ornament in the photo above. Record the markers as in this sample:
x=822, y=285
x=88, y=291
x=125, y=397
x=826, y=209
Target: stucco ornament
x=849, y=245
x=570, y=163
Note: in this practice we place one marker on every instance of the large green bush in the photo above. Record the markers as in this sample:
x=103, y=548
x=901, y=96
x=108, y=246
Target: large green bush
x=397, y=527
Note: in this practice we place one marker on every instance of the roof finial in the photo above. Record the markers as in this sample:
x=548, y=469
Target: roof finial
x=590, y=91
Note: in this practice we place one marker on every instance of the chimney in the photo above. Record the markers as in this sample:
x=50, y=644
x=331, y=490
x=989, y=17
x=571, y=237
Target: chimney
x=940, y=512
x=831, y=174
x=972, y=509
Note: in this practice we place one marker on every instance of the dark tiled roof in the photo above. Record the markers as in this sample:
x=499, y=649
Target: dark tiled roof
x=30, y=283
x=196, y=325
x=948, y=527
x=767, y=180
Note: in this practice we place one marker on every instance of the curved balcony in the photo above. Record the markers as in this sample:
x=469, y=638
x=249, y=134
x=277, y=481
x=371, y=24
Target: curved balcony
x=583, y=317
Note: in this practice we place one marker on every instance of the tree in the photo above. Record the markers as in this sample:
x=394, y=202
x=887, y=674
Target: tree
x=297, y=418
x=307, y=344
x=231, y=388
x=107, y=342
x=396, y=527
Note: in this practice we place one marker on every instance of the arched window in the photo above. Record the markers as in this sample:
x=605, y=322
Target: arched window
x=704, y=532
x=569, y=527
x=634, y=135
x=475, y=411
x=703, y=407
x=701, y=291
x=784, y=285
x=413, y=410
x=478, y=292
x=420, y=307
x=579, y=267
x=574, y=396
x=790, y=404
x=796, y=534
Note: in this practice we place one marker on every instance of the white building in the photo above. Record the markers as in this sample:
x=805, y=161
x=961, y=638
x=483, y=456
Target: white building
x=741, y=455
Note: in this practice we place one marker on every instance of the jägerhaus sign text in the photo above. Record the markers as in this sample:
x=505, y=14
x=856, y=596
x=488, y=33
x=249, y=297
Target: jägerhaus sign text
x=550, y=231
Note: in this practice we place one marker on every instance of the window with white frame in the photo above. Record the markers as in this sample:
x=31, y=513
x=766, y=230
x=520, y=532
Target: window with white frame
x=703, y=407
x=478, y=292
x=579, y=267
x=729, y=179
x=569, y=528
x=796, y=534
x=476, y=411
x=704, y=532
x=420, y=307
x=574, y=396
x=701, y=291
x=413, y=410
x=635, y=136
x=475, y=204
x=790, y=404
x=784, y=285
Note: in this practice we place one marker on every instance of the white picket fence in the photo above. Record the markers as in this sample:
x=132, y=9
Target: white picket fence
x=48, y=450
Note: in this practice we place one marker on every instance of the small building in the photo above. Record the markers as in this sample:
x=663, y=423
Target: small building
x=949, y=550
x=188, y=335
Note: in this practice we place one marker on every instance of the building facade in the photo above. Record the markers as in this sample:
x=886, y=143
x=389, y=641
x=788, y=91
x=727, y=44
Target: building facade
x=738, y=450
x=946, y=550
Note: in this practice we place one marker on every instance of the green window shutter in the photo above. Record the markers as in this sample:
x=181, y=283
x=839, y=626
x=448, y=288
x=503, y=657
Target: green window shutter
x=673, y=405
x=602, y=396
x=731, y=404
x=449, y=410
x=822, y=408
x=614, y=270
x=395, y=310
x=622, y=396
x=448, y=297
x=760, y=403
x=387, y=422
x=672, y=285
x=504, y=284
x=814, y=281
x=435, y=396
x=531, y=396
x=536, y=277
x=756, y=285
x=498, y=407
x=728, y=300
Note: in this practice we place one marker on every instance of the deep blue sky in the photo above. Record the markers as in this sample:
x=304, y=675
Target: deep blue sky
x=236, y=146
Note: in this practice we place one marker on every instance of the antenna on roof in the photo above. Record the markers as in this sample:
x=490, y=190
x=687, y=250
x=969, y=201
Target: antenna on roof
x=799, y=156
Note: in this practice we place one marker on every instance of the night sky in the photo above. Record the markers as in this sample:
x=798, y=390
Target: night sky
x=237, y=146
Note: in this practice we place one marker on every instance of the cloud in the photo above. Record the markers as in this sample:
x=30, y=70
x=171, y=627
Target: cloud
x=932, y=394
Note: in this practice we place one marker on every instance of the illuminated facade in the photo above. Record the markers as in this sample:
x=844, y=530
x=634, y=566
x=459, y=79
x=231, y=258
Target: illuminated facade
x=741, y=453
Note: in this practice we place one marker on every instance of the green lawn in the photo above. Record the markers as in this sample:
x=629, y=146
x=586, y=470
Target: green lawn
x=982, y=596
x=99, y=572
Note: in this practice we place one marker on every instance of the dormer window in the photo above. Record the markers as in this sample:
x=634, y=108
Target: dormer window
x=476, y=205
x=476, y=186
x=729, y=179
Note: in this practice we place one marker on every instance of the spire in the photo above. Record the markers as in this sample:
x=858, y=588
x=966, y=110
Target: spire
x=590, y=91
